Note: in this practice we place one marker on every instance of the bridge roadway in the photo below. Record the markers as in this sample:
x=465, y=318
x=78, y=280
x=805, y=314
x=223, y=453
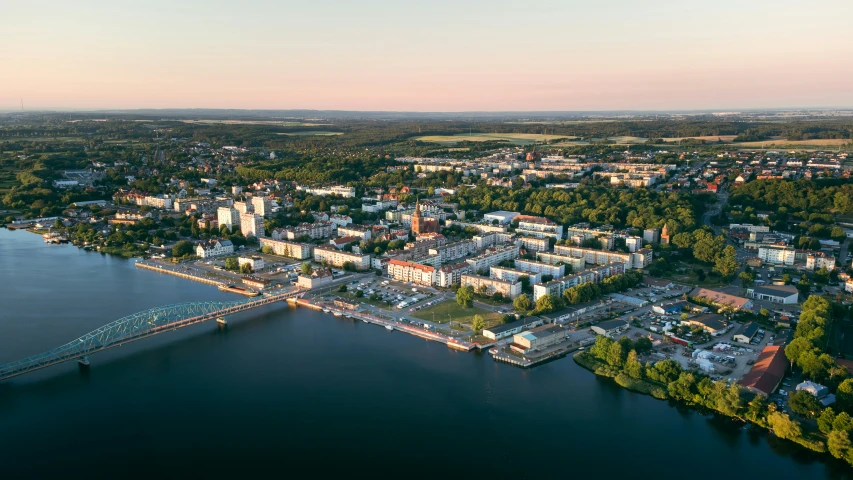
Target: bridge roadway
x=138, y=326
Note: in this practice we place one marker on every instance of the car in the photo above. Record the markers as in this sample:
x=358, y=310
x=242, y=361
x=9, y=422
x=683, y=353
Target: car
x=783, y=393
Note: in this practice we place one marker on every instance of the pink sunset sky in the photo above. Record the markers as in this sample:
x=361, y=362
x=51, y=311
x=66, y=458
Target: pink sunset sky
x=427, y=55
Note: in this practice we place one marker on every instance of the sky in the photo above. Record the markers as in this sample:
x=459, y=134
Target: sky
x=427, y=55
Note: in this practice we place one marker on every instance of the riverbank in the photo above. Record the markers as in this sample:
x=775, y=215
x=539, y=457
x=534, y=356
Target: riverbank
x=757, y=412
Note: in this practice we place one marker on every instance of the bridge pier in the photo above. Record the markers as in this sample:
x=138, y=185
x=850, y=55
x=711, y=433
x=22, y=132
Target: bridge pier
x=83, y=362
x=221, y=321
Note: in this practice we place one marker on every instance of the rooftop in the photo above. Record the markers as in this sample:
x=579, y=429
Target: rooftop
x=768, y=370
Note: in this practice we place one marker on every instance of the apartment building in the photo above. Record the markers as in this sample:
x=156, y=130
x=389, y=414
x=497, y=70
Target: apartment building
x=314, y=230
x=595, y=275
x=818, y=260
x=453, y=251
x=404, y=271
x=299, y=251
x=492, y=238
x=451, y=274
x=534, y=244
x=556, y=271
x=243, y=207
x=262, y=206
x=513, y=275
x=337, y=258
x=577, y=264
x=251, y=225
x=777, y=254
x=227, y=216
x=639, y=259
x=538, y=227
x=361, y=231
x=490, y=286
x=491, y=257
x=346, y=192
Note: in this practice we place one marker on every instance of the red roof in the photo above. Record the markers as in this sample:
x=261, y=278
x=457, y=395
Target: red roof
x=768, y=370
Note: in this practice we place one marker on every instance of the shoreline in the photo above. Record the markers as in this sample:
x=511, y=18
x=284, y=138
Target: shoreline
x=658, y=391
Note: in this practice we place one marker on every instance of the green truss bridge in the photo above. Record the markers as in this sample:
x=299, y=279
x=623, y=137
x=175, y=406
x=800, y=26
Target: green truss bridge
x=138, y=326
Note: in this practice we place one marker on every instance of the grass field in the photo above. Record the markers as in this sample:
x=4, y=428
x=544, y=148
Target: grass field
x=320, y=133
x=457, y=313
x=780, y=142
x=516, y=138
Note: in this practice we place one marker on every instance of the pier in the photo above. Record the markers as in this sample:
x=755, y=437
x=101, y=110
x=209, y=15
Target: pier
x=196, y=278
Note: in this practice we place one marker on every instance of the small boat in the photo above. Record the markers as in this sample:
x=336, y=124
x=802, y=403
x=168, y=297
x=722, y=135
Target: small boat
x=348, y=316
x=326, y=310
x=389, y=328
x=363, y=320
x=337, y=314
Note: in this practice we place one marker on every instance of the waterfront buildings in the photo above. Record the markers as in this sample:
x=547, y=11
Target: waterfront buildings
x=214, y=248
x=256, y=263
x=537, y=339
x=299, y=251
x=450, y=275
x=767, y=372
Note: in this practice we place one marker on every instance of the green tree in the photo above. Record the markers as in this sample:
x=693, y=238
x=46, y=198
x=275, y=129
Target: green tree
x=546, y=304
x=522, y=303
x=842, y=422
x=727, y=263
x=757, y=409
x=764, y=312
x=825, y=420
x=633, y=367
x=267, y=249
x=783, y=426
x=838, y=444
x=232, y=264
x=844, y=395
x=342, y=288
x=804, y=404
x=796, y=348
x=358, y=293
x=615, y=354
x=786, y=279
x=643, y=345
x=477, y=323
x=465, y=296
x=181, y=248
x=307, y=269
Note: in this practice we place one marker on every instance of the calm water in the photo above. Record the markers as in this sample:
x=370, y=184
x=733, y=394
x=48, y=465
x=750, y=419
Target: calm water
x=293, y=392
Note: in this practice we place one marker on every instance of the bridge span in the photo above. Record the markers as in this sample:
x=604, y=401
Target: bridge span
x=138, y=326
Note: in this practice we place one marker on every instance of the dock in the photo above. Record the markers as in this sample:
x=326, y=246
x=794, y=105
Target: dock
x=527, y=362
x=157, y=268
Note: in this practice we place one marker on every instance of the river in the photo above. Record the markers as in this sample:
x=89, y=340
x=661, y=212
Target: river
x=288, y=391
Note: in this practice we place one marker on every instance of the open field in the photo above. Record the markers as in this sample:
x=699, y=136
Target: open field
x=516, y=138
x=780, y=142
x=320, y=133
x=457, y=313
x=44, y=139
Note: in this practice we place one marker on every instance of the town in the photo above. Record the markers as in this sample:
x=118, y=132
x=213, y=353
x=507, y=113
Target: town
x=660, y=265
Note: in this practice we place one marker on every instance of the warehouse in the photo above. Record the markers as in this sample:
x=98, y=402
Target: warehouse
x=505, y=330
x=785, y=294
x=537, y=339
x=610, y=328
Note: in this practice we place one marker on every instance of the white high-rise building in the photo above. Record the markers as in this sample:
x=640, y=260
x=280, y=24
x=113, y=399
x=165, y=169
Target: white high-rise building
x=252, y=225
x=227, y=216
x=261, y=206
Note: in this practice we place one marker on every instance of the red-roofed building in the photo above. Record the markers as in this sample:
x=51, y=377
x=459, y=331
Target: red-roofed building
x=411, y=272
x=341, y=242
x=767, y=373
